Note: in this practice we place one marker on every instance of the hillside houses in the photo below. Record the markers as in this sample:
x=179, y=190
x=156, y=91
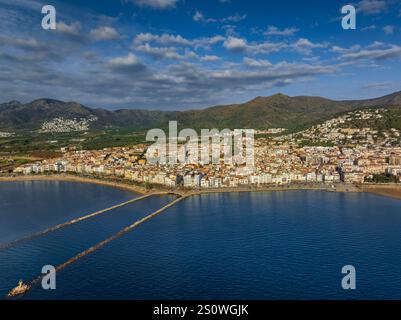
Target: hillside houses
x=352, y=155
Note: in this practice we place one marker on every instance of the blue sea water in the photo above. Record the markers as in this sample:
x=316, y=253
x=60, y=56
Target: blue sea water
x=267, y=245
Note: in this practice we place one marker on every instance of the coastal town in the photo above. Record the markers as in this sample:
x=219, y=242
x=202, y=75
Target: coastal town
x=331, y=152
x=199, y=159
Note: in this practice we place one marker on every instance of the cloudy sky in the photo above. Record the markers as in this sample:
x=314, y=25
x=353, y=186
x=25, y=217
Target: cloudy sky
x=182, y=54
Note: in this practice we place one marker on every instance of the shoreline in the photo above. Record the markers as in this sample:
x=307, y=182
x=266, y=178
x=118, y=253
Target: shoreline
x=387, y=190
x=71, y=178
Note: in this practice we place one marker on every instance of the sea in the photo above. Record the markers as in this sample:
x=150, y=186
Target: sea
x=260, y=245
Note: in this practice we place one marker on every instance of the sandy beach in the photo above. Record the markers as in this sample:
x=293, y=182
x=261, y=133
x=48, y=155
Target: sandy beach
x=390, y=190
x=141, y=190
x=72, y=178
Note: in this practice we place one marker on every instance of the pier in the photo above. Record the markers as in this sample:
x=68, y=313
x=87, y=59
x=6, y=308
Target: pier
x=76, y=220
x=106, y=241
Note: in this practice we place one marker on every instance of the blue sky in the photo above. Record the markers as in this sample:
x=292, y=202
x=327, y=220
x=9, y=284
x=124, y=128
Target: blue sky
x=183, y=54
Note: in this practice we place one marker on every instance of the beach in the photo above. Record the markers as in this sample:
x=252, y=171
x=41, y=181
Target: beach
x=390, y=190
x=73, y=178
x=125, y=184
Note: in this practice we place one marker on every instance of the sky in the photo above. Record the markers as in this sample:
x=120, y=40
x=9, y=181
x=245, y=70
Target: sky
x=188, y=54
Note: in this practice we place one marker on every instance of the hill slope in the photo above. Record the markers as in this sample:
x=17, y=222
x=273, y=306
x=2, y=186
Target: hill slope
x=275, y=111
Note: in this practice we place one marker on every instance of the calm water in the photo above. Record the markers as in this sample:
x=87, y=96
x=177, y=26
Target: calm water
x=272, y=245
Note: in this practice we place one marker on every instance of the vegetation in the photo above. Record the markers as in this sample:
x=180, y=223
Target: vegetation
x=8, y=164
x=318, y=143
x=127, y=127
x=113, y=139
x=292, y=113
x=47, y=145
x=382, y=178
x=390, y=119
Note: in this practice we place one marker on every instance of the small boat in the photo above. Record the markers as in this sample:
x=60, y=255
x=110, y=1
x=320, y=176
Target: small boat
x=21, y=289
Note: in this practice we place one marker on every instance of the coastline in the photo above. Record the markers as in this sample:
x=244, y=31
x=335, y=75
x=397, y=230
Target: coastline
x=386, y=190
x=141, y=190
x=72, y=178
x=390, y=190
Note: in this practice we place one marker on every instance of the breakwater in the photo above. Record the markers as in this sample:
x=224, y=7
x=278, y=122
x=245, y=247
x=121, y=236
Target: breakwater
x=105, y=242
x=74, y=221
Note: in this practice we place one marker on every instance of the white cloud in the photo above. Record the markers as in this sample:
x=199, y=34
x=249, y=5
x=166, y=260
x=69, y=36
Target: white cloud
x=274, y=31
x=182, y=75
x=235, y=44
x=257, y=62
x=169, y=39
x=128, y=61
x=72, y=29
x=268, y=47
x=378, y=85
x=29, y=43
x=367, y=28
x=170, y=53
x=375, y=52
x=156, y=4
x=353, y=48
x=208, y=58
x=279, y=74
x=372, y=7
x=159, y=53
x=127, y=82
x=165, y=39
x=198, y=16
x=240, y=45
x=376, y=45
x=390, y=52
x=304, y=45
x=207, y=42
x=104, y=33
x=230, y=30
x=234, y=18
x=388, y=29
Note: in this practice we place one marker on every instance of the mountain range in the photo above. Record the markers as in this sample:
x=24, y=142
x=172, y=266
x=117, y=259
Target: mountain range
x=278, y=110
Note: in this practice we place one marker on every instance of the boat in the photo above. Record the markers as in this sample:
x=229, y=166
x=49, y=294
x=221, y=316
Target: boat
x=21, y=289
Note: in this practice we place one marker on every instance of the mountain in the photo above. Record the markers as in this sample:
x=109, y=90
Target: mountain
x=275, y=111
x=262, y=112
x=280, y=111
x=17, y=116
x=393, y=99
